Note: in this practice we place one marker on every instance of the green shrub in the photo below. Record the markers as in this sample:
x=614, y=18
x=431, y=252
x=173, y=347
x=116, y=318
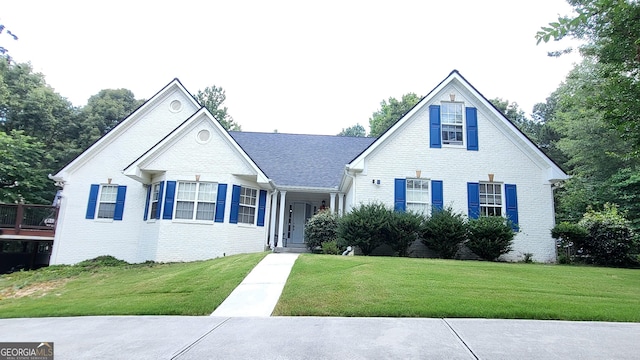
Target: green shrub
x=567, y=235
x=102, y=261
x=489, y=236
x=443, y=232
x=609, y=239
x=366, y=227
x=403, y=230
x=320, y=228
x=331, y=247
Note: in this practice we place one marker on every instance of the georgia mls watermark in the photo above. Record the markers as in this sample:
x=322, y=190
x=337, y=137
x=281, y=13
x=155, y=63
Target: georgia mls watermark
x=26, y=351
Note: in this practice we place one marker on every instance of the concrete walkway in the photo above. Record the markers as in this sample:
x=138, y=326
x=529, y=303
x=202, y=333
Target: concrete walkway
x=259, y=292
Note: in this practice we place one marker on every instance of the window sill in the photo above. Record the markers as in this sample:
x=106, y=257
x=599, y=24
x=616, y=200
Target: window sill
x=454, y=146
x=248, y=226
x=103, y=220
x=195, y=222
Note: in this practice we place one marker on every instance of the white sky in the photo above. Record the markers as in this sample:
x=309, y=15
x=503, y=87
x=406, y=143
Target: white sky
x=310, y=67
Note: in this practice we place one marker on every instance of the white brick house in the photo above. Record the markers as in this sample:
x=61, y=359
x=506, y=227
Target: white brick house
x=170, y=184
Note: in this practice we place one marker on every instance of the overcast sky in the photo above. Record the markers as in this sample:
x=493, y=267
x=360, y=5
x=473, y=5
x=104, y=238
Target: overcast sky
x=310, y=67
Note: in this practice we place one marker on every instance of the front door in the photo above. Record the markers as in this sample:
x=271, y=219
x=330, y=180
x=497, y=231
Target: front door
x=299, y=218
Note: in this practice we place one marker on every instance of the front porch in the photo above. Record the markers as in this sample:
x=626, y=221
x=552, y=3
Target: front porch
x=290, y=210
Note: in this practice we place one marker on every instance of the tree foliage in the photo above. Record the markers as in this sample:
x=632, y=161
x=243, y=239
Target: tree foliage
x=390, y=112
x=38, y=121
x=212, y=98
x=611, y=32
x=4, y=52
x=356, y=130
x=517, y=116
x=23, y=169
x=103, y=112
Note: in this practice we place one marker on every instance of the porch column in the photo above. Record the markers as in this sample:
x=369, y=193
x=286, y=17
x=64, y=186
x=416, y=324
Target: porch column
x=333, y=203
x=281, y=221
x=272, y=215
x=340, y=204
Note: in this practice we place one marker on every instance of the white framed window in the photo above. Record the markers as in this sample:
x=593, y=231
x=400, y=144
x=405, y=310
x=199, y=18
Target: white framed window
x=155, y=198
x=491, y=199
x=196, y=201
x=107, y=202
x=418, y=195
x=248, y=205
x=451, y=117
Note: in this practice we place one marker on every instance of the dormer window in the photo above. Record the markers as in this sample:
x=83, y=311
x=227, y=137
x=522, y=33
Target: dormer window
x=452, y=123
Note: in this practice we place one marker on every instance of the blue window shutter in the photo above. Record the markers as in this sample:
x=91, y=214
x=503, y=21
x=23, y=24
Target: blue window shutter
x=93, y=200
x=434, y=121
x=473, y=196
x=122, y=193
x=400, y=198
x=472, y=128
x=169, y=198
x=511, y=203
x=220, y=202
x=146, y=204
x=235, y=204
x=437, y=200
x=159, y=207
x=262, y=204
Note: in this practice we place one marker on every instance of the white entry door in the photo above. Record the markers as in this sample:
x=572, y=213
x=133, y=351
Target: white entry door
x=298, y=220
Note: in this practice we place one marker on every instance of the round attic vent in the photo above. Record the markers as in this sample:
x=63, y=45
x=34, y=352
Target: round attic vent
x=175, y=105
x=204, y=136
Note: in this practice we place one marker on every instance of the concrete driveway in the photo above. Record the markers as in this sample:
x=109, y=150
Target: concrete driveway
x=212, y=337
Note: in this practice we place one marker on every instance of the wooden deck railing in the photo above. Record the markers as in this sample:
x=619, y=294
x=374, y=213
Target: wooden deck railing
x=28, y=220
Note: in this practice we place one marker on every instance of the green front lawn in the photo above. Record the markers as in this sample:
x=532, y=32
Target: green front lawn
x=400, y=287
x=194, y=288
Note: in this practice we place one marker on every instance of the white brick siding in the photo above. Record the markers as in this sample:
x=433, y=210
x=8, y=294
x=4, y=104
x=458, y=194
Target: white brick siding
x=407, y=150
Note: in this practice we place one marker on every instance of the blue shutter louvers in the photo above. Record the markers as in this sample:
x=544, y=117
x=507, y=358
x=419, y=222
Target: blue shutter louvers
x=220, y=202
x=160, y=197
x=437, y=199
x=167, y=213
x=235, y=204
x=472, y=128
x=511, y=204
x=93, y=200
x=262, y=204
x=146, y=204
x=473, y=198
x=400, y=197
x=435, y=137
x=120, y=196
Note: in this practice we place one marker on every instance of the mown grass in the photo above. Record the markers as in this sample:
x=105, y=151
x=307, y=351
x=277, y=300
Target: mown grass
x=399, y=287
x=194, y=288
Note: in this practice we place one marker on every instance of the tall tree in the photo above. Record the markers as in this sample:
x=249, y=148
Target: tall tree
x=390, y=112
x=103, y=112
x=29, y=104
x=611, y=30
x=356, y=130
x=596, y=155
x=23, y=169
x=212, y=98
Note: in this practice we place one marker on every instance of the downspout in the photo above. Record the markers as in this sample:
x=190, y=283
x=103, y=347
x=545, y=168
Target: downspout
x=355, y=193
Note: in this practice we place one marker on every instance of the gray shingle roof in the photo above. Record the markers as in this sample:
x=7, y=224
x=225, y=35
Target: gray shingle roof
x=301, y=160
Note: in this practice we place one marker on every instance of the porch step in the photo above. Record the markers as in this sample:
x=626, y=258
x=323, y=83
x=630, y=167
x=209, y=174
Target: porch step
x=292, y=250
